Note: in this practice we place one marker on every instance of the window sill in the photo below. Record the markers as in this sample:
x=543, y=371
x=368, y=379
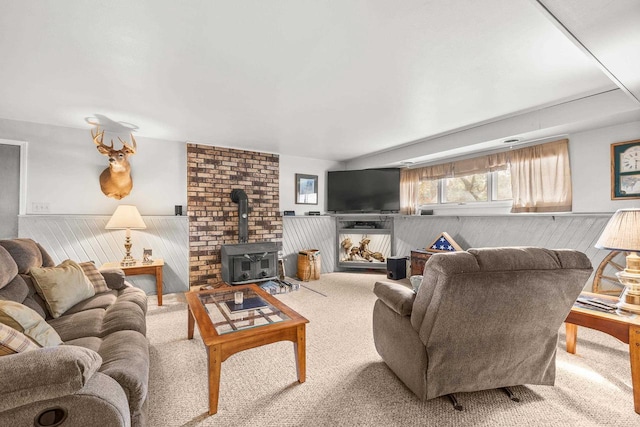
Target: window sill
x=476, y=208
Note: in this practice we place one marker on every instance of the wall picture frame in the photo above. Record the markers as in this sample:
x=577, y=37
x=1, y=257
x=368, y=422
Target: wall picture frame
x=306, y=189
x=625, y=170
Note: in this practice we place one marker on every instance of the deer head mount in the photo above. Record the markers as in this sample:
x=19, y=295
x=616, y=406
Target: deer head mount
x=115, y=181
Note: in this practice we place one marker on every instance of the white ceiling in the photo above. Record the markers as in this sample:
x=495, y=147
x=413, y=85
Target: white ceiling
x=323, y=79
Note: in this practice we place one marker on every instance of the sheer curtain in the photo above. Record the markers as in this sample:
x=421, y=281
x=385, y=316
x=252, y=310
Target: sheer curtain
x=541, y=178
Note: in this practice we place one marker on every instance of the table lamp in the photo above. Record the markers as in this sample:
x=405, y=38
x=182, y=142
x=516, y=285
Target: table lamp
x=126, y=217
x=622, y=233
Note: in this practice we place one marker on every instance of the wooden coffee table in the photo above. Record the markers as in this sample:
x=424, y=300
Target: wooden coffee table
x=225, y=331
x=624, y=326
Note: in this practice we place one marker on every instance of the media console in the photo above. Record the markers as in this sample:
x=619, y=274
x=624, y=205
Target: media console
x=364, y=241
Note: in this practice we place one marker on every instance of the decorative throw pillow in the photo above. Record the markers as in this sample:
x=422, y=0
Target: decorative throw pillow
x=62, y=286
x=12, y=341
x=25, y=320
x=95, y=277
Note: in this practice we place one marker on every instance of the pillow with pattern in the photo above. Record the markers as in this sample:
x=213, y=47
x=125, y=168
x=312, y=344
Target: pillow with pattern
x=95, y=277
x=12, y=341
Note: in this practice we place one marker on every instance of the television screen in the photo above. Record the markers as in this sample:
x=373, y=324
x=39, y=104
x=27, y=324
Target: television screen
x=368, y=190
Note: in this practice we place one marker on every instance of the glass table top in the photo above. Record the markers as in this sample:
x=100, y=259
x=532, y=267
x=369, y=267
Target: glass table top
x=228, y=317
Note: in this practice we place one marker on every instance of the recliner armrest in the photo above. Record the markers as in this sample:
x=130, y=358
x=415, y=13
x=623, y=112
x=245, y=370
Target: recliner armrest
x=397, y=297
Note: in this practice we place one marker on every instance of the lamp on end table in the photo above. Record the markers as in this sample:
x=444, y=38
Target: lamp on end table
x=126, y=217
x=622, y=233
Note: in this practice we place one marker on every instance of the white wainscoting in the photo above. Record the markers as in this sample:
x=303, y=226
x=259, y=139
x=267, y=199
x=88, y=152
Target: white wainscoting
x=84, y=238
x=308, y=232
x=574, y=231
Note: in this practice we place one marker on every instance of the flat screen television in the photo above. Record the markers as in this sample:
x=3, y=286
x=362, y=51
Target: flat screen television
x=364, y=191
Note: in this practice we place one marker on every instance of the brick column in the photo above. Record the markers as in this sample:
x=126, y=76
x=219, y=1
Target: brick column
x=212, y=172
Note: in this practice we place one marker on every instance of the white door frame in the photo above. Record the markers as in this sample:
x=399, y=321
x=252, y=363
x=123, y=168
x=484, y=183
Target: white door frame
x=22, y=207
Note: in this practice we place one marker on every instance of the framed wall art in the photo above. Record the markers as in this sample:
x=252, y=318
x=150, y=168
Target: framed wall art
x=625, y=170
x=306, y=189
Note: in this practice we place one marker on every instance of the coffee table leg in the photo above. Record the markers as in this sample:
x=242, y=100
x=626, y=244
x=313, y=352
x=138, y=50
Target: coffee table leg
x=300, y=348
x=214, y=356
x=634, y=355
x=572, y=336
x=190, y=324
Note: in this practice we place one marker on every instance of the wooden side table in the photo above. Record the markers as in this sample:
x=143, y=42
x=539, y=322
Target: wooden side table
x=626, y=328
x=154, y=269
x=418, y=259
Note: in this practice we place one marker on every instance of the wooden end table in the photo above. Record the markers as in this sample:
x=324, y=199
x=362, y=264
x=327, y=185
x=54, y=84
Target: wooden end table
x=225, y=331
x=154, y=269
x=621, y=325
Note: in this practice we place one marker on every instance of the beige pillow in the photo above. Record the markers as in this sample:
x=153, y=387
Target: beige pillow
x=25, y=320
x=62, y=286
x=12, y=341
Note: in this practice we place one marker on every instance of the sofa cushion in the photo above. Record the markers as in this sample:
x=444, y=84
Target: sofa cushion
x=103, y=300
x=25, y=320
x=125, y=358
x=33, y=300
x=27, y=254
x=86, y=323
x=12, y=341
x=8, y=268
x=16, y=290
x=62, y=287
x=97, y=280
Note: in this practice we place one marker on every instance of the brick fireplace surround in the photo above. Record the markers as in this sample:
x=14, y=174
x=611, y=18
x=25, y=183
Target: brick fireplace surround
x=212, y=172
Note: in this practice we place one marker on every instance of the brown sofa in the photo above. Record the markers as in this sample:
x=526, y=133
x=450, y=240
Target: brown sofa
x=99, y=375
x=481, y=319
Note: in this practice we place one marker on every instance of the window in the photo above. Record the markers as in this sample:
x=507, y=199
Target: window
x=502, y=185
x=428, y=192
x=536, y=178
x=481, y=187
x=463, y=189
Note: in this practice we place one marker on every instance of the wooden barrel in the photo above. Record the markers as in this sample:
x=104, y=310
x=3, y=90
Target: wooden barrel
x=309, y=265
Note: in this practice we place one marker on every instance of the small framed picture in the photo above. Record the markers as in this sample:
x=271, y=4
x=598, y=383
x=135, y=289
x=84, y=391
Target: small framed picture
x=306, y=189
x=146, y=256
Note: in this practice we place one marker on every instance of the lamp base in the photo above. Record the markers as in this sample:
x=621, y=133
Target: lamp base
x=630, y=297
x=128, y=261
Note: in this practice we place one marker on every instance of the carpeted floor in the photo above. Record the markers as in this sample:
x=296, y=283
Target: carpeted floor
x=349, y=385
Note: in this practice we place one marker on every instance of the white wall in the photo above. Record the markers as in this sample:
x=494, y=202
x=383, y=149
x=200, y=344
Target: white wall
x=590, y=154
x=289, y=167
x=63, y=169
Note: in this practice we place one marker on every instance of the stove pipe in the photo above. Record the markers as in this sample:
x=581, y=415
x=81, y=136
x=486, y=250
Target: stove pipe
x=240, y=197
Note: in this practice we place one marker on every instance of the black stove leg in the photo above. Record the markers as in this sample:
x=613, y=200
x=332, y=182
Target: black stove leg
x=457, y=406
x=510, y=394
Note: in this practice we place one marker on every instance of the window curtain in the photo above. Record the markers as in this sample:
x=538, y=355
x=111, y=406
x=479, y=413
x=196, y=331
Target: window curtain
x=541, y=178
x=409, y=180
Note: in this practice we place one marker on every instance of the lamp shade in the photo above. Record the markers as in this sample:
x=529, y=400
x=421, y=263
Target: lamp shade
x=126, y=216
x=622, y=232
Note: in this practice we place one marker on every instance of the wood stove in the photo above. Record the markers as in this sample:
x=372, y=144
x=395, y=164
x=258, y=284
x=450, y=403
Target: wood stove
x=249, y=262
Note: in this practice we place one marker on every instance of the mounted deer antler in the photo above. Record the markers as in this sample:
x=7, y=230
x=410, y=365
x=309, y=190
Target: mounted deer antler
x=115, y=181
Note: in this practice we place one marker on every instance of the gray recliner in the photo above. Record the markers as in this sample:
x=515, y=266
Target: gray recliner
x=482, y=319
